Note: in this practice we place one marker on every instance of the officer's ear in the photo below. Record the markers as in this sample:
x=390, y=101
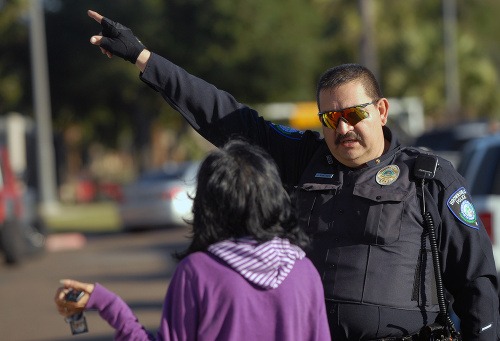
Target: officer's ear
x=382, y=106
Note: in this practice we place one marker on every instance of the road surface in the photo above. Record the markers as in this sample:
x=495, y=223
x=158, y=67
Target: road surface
x=137, y=266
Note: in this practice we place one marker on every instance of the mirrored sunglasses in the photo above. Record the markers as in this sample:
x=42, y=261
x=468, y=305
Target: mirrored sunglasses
x=352, y=115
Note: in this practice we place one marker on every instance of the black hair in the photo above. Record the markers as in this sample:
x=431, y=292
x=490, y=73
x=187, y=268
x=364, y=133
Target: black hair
x=345, y=73
x=240, y=194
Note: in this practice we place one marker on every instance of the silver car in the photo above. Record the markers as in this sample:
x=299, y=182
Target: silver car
x=160, y=198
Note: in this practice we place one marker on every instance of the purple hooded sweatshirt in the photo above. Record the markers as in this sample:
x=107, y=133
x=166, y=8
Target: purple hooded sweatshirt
x=238, y=290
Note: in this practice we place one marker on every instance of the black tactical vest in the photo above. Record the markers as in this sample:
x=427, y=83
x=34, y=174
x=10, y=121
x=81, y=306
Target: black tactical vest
x=367, y=236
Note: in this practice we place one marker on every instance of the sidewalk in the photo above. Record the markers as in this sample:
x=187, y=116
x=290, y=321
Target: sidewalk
x=65, y=241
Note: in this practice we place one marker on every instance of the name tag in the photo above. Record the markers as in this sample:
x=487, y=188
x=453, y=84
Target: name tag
x=323, y=175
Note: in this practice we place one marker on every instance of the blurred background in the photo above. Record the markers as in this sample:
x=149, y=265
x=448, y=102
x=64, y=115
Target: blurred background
x=437, y=60
x=87, y=149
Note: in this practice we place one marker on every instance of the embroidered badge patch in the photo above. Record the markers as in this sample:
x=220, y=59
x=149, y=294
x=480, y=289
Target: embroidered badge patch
x=387, y=175
x=460, y=204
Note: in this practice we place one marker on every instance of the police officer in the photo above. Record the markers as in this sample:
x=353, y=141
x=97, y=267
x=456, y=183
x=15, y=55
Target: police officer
x=357, y=196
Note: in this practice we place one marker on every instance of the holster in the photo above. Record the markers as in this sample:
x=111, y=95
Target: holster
x=437, y=332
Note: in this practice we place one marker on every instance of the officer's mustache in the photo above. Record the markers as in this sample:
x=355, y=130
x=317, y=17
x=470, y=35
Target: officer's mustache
x=349, y=136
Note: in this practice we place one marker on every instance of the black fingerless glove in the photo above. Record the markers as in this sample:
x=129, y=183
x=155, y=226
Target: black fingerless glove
x=120, y=41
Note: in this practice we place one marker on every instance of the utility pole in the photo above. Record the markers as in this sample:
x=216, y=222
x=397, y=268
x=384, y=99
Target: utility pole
x=43, y=118
x=368, y=48
x=452, y=82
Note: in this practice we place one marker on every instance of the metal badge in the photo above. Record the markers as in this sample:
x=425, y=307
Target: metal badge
x=387, y=175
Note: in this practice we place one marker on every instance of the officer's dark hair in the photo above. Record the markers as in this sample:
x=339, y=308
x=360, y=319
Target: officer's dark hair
x=345, y=73
x=239, y=194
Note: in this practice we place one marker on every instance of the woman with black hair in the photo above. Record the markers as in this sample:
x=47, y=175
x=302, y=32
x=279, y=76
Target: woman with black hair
x=243, y=277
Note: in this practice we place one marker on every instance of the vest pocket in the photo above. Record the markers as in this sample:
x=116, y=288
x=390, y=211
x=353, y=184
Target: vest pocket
x=310, y=197
x=385, y=207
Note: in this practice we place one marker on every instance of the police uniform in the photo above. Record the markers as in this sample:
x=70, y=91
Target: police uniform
x=369, y=244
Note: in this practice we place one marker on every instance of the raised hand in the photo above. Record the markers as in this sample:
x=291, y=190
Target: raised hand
x=116, y=39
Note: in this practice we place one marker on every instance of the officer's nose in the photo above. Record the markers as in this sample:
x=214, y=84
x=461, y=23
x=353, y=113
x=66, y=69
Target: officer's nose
x=343, y=127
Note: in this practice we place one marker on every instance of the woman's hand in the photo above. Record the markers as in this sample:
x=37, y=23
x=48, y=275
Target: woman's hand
x=68, y=308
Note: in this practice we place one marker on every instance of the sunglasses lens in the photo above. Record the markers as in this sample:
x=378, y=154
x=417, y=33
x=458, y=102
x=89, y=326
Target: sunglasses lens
x=330, y=119
x=355, y=115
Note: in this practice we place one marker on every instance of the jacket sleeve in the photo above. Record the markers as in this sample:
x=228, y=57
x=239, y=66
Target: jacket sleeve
x=468, y=266
x=179, y=319
x=218, y=116
x=201, y=103
x=118, y=314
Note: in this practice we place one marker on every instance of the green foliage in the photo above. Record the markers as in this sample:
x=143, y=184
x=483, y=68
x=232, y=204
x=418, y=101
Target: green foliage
x=260, y=51
x=14, y=91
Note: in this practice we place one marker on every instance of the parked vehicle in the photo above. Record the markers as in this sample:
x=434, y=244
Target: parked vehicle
x=21, y=230
x=448, y=141
x=480, y=165
x=159, y=198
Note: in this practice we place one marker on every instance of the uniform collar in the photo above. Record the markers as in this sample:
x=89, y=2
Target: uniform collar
x=393, y=147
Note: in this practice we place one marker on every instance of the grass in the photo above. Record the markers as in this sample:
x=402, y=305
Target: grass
x=91, y=217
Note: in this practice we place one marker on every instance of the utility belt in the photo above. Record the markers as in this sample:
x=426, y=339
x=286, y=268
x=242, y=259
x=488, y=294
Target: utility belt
x=432, y=332
x=413, y=337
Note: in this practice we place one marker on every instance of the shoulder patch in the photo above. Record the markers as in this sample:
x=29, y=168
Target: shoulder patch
x=287, y=131
x=460, y=204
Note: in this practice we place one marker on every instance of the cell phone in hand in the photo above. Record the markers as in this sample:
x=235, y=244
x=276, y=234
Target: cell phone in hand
x=74, y=295
x=77, y=322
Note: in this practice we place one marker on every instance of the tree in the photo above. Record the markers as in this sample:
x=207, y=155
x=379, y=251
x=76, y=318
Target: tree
x=409, y=40
x=260, y=51
x=239, y=46
x=14, y=76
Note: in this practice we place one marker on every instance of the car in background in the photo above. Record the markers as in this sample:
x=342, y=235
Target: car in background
x=159, y=198
x=480, y=166
x=448, y=141
x=22, y=231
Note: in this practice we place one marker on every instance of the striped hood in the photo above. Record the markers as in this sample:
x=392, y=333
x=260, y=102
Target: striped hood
x=266, y=264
